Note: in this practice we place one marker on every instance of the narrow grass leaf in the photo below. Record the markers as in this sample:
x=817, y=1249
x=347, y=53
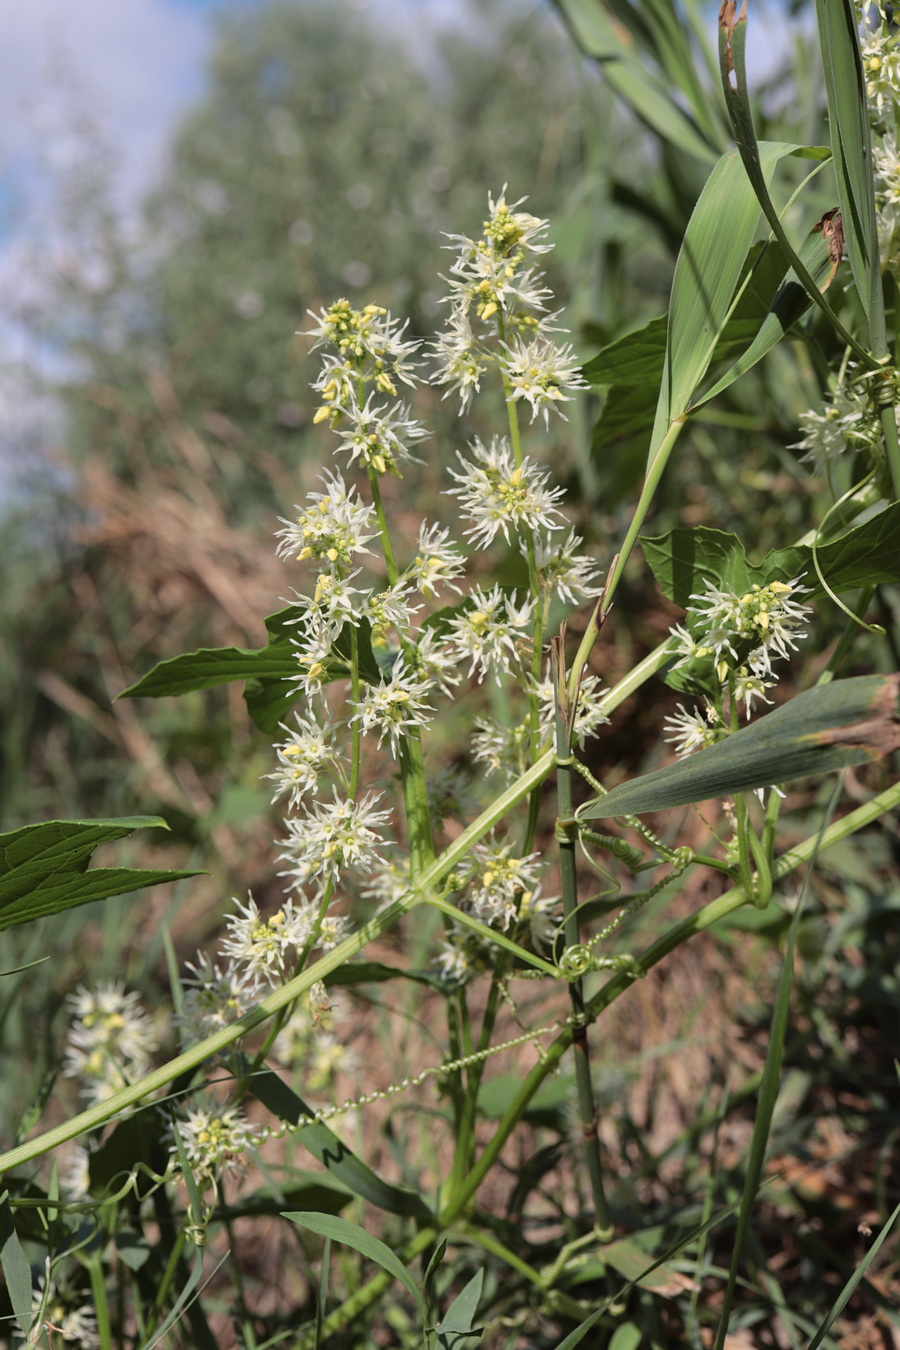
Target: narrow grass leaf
x=830, y=727
x=16, y=1269
x=457, y=1328
x=846, y=1293
x=768, y=1095
x=324, y=1145
x=820, y=254
x=342, y=1230
x=733, y=69
x=851, y=144
x=707, y=272
x=599, y=35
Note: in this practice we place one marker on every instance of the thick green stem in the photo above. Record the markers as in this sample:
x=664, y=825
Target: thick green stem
x=422, y=892
x=565, y=713
x=695, y=923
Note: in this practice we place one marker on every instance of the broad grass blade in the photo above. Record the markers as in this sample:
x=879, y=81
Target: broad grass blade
x=851, y=146
x=601, y=36
x=830, y=727
x=709, y=267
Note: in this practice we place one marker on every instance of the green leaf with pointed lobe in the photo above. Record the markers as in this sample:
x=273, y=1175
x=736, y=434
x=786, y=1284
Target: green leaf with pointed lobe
x=686, y=560
x=44, y=867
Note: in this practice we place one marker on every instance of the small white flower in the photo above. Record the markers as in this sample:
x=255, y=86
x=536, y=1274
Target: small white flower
x=489, y=633
x=460, y=363
x=334, y=603
x=214, y=998
x=334, y=836
x=501, y=496
x=389, y=881
x=564, y=570
x=881, y=68
x=61, y=1308
x=497, y=880
x=544, y=374
x=690, y=731
x=367, y=335
x=504, y=749
x=396, y=707
x=334, y=527
x=765, y=615
x=828, y=434
x=216, y=1139
x=314, y=655
x=437, y=561
x=264, y=945
x=749, y=687
x=111, y=1040
x=390, y=609
x=436, y=661
x=380, y=436
x=589, y=717
x=302, y=758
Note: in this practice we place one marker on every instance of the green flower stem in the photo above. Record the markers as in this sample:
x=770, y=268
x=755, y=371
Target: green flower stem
x=480, y=1237
x=390, y=561
x=101, y=1304
x=614, y=987
x=464, y=1099
x=537, y=632
x=355, y=728
x=695, y=923
x=422, y=892
x=465, y=1130
x=565, y=712
x=282, y=1016
x=493, y=935
x=892, y=444
x=412, y=766
x=651, y=482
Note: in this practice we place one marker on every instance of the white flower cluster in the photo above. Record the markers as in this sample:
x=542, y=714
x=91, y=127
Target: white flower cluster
x=497, y=298
x=111, y=1041
x=739, y=636
x=373, y=663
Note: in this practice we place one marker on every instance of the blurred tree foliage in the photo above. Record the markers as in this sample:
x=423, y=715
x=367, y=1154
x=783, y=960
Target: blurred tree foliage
x=326, y=156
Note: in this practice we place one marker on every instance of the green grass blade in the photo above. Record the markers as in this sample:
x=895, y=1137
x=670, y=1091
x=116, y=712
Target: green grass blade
x=599, y=35
x=342, y=1230
x=830, y=727
x=851, y=145
x=16, y=1269
x=732, y=47
x=845, y=1294
x=709, y=267
x=821, y=255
